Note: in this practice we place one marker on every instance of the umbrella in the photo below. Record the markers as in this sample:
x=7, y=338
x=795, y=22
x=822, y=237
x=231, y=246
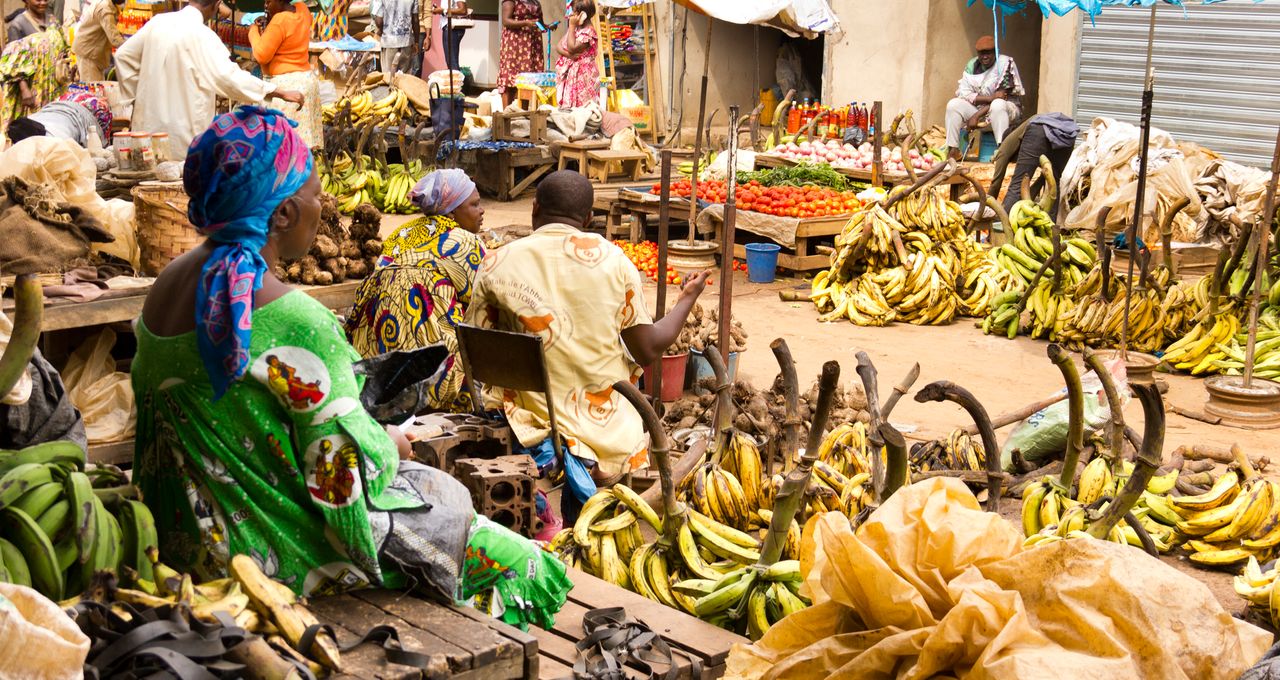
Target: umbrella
x=1092, y=8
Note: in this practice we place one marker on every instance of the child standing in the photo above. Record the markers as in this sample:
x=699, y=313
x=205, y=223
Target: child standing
x=577, y=76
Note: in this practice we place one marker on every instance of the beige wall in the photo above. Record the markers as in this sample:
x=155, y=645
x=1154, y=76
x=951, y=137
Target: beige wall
x=917, y=57
x=1059, y=62
x=733, y=67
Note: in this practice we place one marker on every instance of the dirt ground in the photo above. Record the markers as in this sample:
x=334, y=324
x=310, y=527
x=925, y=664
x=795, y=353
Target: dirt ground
x=1003, y=374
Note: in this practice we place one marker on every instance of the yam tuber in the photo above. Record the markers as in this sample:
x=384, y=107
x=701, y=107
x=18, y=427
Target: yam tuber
x=371, y=247
x=324, y=247
x=350, y=250
x=357, y=269
x=309, y=269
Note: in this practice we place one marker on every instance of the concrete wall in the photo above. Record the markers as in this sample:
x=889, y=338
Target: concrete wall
x=735, y=70
x=1059, y=63
x=915, y=59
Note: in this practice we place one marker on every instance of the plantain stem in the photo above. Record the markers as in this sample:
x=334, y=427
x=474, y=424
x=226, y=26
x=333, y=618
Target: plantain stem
x=791, y=495
x=896, y=473
x=945, y=390
x=1116, y=432
x=1166, y=229
x=28, y=316
x=1075, y=412
x=724, y=404
x=899, y=390
x=1145, y=465
x=660, y=451
x=791, y=395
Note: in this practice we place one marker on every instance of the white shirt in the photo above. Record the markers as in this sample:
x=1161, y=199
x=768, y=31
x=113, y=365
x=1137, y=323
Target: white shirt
x=173, y=69
x=397, y=21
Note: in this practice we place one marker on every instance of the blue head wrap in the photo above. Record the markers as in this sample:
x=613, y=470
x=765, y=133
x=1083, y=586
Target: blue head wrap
x=237, y=173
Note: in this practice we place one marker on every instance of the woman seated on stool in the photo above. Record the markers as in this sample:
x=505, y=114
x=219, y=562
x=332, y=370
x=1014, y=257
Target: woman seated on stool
x=420, y=287
x=251, y=436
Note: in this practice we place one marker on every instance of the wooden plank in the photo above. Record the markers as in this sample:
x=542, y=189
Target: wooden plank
x=561, y=642
x=117, y=453
x=526, y=641
x=351, y=617
x=689, y=633
x=486, y=646
x=830, y=225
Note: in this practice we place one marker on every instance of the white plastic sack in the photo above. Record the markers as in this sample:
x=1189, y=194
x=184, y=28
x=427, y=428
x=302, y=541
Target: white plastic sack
x=1044, y=433
x=719, y=168
x=70, y=173
x=103, y=395
x=37, y=639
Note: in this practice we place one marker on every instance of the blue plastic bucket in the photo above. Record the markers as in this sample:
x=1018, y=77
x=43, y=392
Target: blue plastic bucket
x=762, y=262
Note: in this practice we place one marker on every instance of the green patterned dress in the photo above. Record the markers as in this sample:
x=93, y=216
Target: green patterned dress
x=417, y=294
x=34, y=59
x=287, y=467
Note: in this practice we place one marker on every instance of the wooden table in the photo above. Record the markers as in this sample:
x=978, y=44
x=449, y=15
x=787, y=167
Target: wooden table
x=640, y=206
x=495, y=170
x=126, y=305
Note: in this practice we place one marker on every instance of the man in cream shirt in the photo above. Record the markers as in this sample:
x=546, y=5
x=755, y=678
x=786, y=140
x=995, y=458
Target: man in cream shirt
x=173, y=70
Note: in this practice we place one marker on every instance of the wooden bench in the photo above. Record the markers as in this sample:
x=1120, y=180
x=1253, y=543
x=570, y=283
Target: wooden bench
x=690, y=638
x=577, y=152
x=599, y=163
x=461, y=643
x=537, y=126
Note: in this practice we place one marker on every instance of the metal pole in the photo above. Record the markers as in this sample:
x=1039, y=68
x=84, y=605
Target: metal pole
x=1263, y=233
x=1147, y=96
x=697, y=146
x=664, y=224
x=726, y=240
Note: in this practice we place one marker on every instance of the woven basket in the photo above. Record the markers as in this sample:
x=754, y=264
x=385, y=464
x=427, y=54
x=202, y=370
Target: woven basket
x=160, y=215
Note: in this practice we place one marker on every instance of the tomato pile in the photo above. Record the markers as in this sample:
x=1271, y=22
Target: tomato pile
x=644, y=256
x=781, y=201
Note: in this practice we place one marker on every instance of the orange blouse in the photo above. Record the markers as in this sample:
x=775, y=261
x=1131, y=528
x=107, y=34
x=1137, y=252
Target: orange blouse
x=282, y=47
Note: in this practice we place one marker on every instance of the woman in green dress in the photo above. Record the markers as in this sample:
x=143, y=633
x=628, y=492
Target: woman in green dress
x=420, y=287
x=251, y=437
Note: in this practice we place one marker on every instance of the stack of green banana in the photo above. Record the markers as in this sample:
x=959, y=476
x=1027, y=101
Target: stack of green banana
x=912, y=262
x=748, y=599
x=1266, y=362
x=687, y=168
x=1258, y=587
x=1030, y=245
x=56, y=529
x=354, y=181
x=1051, y=513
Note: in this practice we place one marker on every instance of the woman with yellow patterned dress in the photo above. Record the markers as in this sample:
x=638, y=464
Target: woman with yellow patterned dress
x=421, y=285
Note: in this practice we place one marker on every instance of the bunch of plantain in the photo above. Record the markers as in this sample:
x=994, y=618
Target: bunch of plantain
x=389, y=110
x=1266, y=361
x=61, y=523
x=1030, y=246
x=748, y=600
x=1051, y=512
x=959, y=451
x=1205, y=345
x=1258, y=587
x=1237, y=518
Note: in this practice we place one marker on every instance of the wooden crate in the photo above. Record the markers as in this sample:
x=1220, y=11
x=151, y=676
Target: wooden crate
x=689, y=637
x=804, y=256
x=495, y=170
x=461, y=643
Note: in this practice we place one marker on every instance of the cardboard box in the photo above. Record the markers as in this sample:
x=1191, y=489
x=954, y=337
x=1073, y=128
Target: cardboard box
x=641, y=116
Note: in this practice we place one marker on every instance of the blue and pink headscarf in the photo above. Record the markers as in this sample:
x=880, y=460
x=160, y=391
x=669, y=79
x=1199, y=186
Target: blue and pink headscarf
x=237, y=173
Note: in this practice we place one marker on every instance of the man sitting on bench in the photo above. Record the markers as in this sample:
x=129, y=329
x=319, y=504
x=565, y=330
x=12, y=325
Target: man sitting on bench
x=585, y=299
x=989, y=88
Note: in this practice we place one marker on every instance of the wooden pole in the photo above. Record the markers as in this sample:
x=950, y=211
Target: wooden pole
x=877, y=169
x=726, y=240
x=664, y=226
x=697, y=144
x=1264, y=239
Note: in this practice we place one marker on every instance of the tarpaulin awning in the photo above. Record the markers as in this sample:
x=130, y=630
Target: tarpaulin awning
x=798, y=17
x=1090, y=7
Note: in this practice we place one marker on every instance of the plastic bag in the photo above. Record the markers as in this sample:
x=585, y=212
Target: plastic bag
x=1044, y=432
x=68, y=170
x=932, y=586
x=103, y=395
x=511, y=578
x=719, y=168
x=37, y=639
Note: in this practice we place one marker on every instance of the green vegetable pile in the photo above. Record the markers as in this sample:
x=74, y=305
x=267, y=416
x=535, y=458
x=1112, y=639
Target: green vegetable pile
x=804, y=174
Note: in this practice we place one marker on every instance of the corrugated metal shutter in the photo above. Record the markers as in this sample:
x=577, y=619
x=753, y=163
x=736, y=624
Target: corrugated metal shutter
x=1217, y=74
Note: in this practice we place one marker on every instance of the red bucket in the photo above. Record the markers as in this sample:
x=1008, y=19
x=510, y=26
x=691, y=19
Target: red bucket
x=673, y=368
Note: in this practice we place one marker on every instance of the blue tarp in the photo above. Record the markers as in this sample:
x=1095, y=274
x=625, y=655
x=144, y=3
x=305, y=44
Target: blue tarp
x=1090, y=7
